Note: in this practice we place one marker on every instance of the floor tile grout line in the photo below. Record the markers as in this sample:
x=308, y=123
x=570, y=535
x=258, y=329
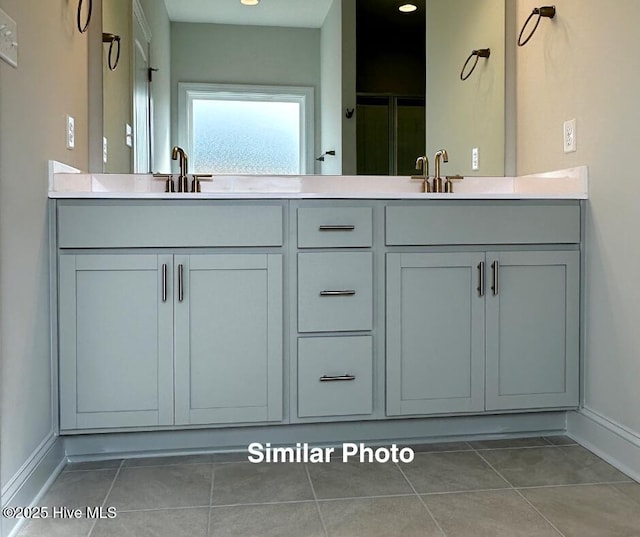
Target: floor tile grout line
x=522, y=496
x=421, y=500
x=153, y=509
x=106, y=497
x=560, y=485
x=213, y=477
x=315, y=498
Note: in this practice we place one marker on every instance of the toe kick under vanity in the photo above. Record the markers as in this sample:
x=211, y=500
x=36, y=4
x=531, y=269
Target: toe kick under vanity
x=235, y=309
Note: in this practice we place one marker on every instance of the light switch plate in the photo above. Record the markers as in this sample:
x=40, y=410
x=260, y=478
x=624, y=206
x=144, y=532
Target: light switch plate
x=71, y=132
x=475, y=159
x=570, y=136
x=8, y=39
x=128, y=135
x=105, y=149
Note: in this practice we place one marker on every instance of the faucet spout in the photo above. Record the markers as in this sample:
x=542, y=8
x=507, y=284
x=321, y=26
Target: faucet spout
x=177, y=153
x=443, y=156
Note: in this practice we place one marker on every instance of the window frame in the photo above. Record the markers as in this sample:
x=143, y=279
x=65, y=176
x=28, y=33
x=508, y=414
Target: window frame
x=303, y=95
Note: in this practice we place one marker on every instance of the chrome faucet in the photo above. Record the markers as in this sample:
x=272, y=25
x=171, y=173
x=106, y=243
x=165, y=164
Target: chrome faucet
x=178, y=154
x=437, y=180
x=422, y=164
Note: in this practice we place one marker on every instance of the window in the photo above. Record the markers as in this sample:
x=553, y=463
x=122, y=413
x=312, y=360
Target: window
x=233, y=129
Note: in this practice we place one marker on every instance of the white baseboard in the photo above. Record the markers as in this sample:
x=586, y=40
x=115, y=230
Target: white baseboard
x=33, y=479
x=614, y=443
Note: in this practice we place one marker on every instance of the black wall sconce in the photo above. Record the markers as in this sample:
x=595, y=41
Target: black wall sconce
x=83, y=27
x=480, y=53
x=545, y=11
x=114, y=45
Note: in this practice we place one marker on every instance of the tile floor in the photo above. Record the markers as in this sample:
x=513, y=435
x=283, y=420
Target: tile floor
x=534, y=487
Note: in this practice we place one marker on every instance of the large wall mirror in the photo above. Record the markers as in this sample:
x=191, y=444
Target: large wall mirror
x=306, y=86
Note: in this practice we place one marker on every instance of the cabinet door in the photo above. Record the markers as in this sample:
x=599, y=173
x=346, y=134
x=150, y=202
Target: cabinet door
x=228, y=354
x=435, y=333
x=532, y=330
x=116, y=341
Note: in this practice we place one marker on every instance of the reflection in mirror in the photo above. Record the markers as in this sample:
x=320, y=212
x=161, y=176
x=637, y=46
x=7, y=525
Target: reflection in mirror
x=368, y=78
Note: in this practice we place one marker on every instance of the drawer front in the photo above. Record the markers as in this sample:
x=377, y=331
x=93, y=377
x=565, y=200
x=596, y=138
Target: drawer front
x=173, y=224
x=335, y=291
x=335, y=227
x=335, y=376
x=472, y=222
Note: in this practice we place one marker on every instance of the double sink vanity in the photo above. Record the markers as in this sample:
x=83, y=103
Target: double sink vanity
x=292, y=300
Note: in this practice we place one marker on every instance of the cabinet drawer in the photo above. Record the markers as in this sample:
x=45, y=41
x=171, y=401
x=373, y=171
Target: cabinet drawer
x=335, y=291
x=335, y=227
x=473, y=222
x=335, y=376
x=168, y=224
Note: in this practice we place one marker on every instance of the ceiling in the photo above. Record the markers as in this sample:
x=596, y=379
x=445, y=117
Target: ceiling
x=292, y=13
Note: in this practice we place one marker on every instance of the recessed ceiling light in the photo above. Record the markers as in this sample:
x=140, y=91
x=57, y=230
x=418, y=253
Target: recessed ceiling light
x=250, y=2
x=407, y=8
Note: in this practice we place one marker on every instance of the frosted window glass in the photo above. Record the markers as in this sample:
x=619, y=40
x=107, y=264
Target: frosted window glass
x=252, y=137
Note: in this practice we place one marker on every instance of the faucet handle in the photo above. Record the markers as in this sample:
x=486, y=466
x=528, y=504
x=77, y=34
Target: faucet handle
x=448, y=185
x=169, y=186
x=197, y=177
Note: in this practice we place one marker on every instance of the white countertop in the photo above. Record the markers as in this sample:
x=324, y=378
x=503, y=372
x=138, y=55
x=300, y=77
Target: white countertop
x=564, y=184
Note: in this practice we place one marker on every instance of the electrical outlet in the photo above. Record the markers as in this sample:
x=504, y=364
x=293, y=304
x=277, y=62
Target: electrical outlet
x=71, y=132
x=475, y=159
x=128, y=135
x=105, y=147
x=570, y=141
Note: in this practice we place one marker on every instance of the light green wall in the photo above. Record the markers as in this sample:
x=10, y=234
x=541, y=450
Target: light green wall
x=584, y=64
x=50, y=82
x=228, y=54
x=463, y=115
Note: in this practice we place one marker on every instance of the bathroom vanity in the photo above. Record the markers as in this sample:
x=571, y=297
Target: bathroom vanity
x=274, y=305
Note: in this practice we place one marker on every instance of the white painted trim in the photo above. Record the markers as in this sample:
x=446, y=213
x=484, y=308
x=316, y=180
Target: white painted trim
x=616, y=444
x=33, y=479
x=138, y=13
x=305, y=94
x=15, y=482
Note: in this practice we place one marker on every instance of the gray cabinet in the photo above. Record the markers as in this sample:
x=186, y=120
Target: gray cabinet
x=532, y=309
x=445, y=309
x=435, y=334
x=228, y=348
x=130, y=325
x=115, y=341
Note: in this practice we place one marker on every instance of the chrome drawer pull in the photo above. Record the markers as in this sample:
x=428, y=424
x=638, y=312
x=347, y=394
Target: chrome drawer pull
x=164, y=282
x=336, y=228
x=481, y=279
x=180, y=283
x=337, y=378
x=496, y=270
x=346, y=292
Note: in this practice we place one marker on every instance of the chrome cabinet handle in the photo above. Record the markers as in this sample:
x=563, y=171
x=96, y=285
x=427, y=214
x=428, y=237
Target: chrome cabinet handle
x=180, y=283
x=481, y=283
x=336, y=228
x=164, y=282
x=496, y=269
x=337, y=378
x=346, y=292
